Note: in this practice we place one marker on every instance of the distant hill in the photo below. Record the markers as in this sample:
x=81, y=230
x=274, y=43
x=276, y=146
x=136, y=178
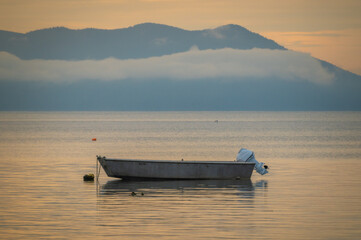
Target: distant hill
x=141, y=41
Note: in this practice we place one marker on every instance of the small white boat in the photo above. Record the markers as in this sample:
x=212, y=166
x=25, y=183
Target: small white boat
x=154, y=169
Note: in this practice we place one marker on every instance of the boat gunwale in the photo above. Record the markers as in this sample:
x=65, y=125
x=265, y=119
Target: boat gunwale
x=178, y=161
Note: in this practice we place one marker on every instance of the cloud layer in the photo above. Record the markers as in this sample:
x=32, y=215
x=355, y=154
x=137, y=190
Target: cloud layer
x=220, y=64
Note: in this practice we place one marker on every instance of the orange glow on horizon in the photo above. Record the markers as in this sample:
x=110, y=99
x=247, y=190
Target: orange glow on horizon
x=341, y=47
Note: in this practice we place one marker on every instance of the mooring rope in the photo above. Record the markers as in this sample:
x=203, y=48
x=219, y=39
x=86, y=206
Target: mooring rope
x=98, y=169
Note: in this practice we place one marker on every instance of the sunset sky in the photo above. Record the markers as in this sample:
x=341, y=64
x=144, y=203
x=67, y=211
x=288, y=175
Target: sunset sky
x=327, y=29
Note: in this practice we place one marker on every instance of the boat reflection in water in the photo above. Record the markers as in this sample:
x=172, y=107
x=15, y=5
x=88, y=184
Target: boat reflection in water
x=243, y=188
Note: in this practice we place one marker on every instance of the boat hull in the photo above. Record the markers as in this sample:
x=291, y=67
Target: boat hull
x=141, y=169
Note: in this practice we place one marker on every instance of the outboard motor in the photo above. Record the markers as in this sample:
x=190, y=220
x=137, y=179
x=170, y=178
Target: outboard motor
x=245, y=155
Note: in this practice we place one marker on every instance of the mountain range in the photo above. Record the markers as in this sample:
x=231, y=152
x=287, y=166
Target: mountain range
x=141, y=41
x=158, y=67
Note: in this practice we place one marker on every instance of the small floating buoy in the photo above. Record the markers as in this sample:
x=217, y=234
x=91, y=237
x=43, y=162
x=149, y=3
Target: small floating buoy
x=133, y=194
x=88, y=177
x=142, y=194
x=94, y=139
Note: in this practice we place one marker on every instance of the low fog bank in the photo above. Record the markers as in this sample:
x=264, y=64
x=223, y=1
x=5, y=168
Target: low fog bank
x=261, y=64
x=225, y=79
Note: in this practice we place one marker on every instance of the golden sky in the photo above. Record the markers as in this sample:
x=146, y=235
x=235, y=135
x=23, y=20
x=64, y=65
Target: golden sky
x=327, y=29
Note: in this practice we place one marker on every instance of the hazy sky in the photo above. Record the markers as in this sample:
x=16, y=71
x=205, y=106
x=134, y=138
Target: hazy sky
x=328, y=29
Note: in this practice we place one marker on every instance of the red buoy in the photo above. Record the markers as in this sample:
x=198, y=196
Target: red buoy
x=94, y=139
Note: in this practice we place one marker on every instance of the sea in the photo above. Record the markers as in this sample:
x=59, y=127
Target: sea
x=312, y=190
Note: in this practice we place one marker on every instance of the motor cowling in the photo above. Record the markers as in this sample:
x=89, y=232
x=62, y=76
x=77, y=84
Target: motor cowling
x=245, y=155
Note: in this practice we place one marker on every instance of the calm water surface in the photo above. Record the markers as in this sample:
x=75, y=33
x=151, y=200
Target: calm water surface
x=313, y=190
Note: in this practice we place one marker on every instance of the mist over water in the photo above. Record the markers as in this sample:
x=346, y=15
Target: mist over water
x=313, y=190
